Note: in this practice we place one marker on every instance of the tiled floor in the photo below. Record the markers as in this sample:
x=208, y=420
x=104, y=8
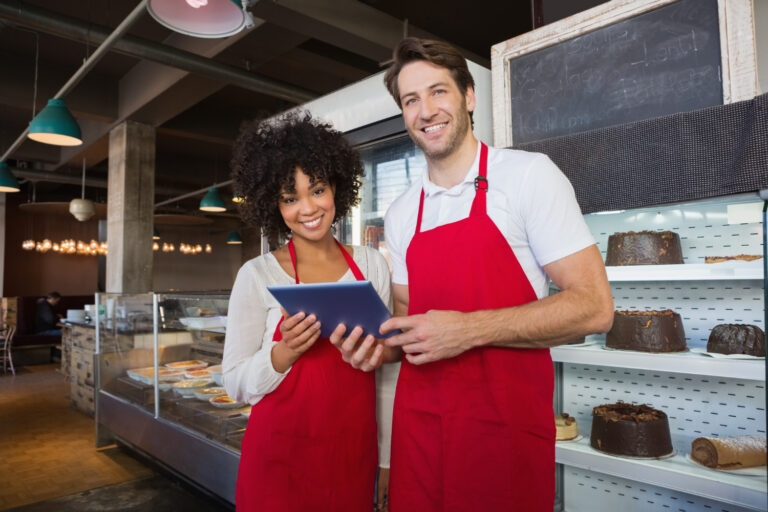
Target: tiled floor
x=47, y=447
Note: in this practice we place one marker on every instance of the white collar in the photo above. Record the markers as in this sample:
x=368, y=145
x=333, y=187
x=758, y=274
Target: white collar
x=431, y=188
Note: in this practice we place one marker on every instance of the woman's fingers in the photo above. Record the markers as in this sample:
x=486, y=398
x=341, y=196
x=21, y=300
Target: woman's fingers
x=301, y=334
x=361, y=354
x=375, y=360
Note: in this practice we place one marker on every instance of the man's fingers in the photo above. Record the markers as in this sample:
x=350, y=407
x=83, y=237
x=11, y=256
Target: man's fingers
x=418, y=359
x=398, y=322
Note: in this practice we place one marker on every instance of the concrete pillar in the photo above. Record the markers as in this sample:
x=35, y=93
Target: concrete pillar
x=130, y=206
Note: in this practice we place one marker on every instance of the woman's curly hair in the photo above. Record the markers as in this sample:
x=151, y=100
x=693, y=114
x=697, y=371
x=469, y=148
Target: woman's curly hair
x=266, y=154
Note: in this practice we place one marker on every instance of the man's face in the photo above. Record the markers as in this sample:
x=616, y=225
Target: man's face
x=435, y=111
x=54, y=300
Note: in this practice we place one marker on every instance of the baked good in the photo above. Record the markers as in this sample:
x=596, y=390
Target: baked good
x=729, y=452
x=738, y=257
x=626, y=429
x=644, y=248
x=647, y=331
x=566, y=427
x=191, y=364
x=737, y=339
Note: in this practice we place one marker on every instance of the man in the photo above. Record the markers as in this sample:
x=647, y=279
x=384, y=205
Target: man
x=45, y=317
x=472, y=246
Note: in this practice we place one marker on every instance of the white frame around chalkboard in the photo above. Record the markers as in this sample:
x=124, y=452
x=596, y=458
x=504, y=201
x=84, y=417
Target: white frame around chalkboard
x=737, y=50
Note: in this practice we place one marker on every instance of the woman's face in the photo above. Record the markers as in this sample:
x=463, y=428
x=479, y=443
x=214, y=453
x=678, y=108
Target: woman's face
x=308, y=211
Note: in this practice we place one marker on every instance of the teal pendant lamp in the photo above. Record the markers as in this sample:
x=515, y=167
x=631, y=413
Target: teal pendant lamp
x=8, y=182
x=155, y=234
x=55, y=125
x=212, y=201
x=234, y=238
x=200, y=18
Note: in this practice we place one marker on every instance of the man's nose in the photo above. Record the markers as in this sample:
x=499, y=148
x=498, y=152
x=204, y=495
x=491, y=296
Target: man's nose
x=428, y=108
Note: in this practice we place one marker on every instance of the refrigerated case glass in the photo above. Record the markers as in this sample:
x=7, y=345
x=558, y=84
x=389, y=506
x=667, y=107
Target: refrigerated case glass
x=391, y=165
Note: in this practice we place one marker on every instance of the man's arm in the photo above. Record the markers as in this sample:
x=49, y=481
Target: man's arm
x=584, y=306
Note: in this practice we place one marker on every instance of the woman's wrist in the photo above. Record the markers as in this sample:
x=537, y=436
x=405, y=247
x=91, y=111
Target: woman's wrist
x=282, y=357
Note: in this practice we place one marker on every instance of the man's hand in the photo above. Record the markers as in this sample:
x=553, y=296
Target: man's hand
x=366, y=355
x=432, y=336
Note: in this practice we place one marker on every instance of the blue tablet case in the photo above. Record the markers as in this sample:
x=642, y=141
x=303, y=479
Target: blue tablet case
x=350, y=303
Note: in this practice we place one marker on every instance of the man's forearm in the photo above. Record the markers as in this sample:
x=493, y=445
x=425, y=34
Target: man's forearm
x=548, y=322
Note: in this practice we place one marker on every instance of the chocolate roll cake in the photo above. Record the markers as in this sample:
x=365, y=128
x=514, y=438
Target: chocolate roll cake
x=647, y=331
x=644, y=248
x=729, y=452
x=737, y=339
x=634, y=430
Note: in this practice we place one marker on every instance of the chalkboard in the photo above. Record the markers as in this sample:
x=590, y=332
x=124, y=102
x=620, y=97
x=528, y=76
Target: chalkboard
x=657, y=63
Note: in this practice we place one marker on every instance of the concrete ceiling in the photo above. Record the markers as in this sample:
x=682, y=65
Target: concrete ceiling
x=305, y=47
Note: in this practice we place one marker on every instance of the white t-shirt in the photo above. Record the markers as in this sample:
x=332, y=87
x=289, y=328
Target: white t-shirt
x=529, y=199
x=247, y=371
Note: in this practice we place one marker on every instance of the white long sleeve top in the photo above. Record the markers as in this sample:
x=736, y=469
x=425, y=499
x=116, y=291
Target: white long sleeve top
x=248, y=374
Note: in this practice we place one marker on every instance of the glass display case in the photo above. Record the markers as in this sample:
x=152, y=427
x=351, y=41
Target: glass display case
x=702, y=394
x=159, y=388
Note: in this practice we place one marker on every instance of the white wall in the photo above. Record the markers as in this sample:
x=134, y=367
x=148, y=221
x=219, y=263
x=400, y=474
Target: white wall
x=761, y=42
x=368, y=101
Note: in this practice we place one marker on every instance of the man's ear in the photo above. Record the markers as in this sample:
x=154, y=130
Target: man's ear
x=469, y=96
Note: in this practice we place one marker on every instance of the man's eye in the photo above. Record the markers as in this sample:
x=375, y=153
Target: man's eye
x=410, y=101
x=439, y=91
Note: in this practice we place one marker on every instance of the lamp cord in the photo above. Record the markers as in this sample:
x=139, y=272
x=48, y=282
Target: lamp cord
x=82, y=191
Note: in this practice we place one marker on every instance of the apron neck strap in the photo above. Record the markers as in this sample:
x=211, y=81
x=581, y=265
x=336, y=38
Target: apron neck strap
x=350, y=262
x=481, y=189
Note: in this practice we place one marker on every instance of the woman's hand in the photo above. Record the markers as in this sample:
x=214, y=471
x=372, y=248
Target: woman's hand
x=299, y=334
x=365, y=355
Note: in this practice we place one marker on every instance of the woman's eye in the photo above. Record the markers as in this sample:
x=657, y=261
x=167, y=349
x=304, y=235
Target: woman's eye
x=288, y=200
x=319, y=191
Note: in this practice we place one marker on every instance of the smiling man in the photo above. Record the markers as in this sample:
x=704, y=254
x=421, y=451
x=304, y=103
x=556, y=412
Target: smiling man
x=473, y=246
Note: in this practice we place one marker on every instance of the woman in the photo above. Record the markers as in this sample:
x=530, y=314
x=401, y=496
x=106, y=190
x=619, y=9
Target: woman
x=311, y=438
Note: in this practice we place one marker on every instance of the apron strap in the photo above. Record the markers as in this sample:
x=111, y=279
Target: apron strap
x=350, y=262
x=481, y=184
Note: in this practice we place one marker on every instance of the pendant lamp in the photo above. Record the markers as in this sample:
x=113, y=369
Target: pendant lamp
x=200, y=18
x=155, y=234
x=212, y=201
x=234, y=238
x=82, y=208
x=55, y=125
x=8, y=182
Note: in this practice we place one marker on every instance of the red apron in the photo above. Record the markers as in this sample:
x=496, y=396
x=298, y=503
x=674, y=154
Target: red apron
x=311, y=443
x=475, y=432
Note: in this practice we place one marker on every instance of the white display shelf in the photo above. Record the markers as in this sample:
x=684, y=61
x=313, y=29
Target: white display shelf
x=685, y=362
x=675, y=473
x=688, y=272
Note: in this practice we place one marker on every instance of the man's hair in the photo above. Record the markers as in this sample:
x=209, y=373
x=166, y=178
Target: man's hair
x=438, y=53
x=53, y=295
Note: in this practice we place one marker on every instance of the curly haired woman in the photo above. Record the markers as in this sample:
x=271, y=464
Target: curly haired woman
x=311, y=441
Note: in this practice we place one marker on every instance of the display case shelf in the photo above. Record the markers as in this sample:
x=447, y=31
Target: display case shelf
x=678, y=473
x=685, y=362
x=726, y=271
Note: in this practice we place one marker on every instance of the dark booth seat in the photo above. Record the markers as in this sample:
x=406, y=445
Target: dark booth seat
x=25, y=312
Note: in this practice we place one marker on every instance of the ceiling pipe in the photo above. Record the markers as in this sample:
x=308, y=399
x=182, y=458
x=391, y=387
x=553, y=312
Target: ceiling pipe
x=95, y=57
x=54, y=177
x=72, y=28
x=194, y=193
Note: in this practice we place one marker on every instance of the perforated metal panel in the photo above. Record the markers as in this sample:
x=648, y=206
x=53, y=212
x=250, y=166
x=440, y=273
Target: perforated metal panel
x=697, y=405
x=588, y=491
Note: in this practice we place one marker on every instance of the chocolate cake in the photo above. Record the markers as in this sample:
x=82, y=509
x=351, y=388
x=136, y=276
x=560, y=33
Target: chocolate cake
x=647, y=331
x=644, y=248
x=737, y=339
x=634, y=430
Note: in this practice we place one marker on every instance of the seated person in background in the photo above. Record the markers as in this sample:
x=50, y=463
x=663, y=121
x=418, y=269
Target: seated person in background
x=45, y=317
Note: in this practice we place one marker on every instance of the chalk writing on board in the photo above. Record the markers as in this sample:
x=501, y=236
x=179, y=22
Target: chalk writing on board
x=660, y=62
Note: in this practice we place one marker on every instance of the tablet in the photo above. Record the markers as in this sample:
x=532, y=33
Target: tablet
x=351, y=303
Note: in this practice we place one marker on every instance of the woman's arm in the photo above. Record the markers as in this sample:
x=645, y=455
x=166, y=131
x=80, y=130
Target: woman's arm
x=248, y=372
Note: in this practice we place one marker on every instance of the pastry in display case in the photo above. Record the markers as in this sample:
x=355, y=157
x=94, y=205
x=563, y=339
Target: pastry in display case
x=737, y=339
x=644, y=248
x=647, y=331
x=630, y=430
x=731, y=452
